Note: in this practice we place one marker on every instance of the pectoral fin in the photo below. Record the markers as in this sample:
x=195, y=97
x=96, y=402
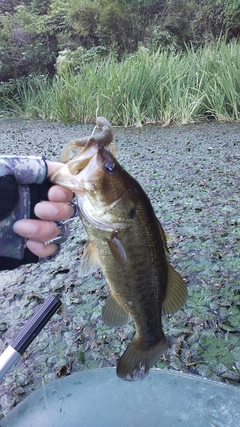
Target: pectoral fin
x=113, y=314
x=89, y=262
x=176, y=294
x=118, y=251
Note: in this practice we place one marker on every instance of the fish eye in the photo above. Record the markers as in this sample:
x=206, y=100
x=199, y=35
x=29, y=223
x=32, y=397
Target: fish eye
x=110, y=167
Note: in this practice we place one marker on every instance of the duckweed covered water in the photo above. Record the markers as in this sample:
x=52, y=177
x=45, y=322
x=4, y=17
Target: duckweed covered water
x=191, y=175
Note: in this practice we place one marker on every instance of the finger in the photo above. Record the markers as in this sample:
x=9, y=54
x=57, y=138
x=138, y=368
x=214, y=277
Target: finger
x=54, y=211
x=59, y=194
x=37, y=230
x=53, y=166
x=40, y=249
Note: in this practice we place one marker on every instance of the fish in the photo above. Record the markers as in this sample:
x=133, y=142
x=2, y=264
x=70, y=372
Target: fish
x=128, y=242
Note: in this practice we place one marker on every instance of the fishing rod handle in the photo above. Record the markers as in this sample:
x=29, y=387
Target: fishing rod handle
x=35, y=324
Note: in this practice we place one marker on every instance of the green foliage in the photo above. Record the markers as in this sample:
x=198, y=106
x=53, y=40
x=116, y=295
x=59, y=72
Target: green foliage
x=34, y=33
x=83, y=17
x=40, y=7
x=232, y=18
x=163, y=40
x=72, y=61
x=8, y=6
x=110, y=24
x=145, y=87
x=218, y=18
x=194, y=23
x=27, y=44
x=178, y=20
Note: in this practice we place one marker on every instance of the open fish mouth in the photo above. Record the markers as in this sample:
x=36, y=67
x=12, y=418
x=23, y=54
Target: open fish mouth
x=77, y=171
x=82, y=167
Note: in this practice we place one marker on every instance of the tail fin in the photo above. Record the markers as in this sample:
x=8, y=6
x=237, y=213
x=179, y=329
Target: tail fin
x=136, y=361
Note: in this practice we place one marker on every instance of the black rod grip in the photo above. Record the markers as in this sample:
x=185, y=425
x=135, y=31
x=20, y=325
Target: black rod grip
x=35, y=324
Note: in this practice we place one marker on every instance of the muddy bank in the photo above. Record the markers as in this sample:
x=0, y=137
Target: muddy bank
x=191, y=175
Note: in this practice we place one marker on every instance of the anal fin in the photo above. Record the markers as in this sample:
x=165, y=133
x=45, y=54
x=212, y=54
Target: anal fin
x=113, y=314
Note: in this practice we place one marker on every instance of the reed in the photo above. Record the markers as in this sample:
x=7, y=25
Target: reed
x=145, y=87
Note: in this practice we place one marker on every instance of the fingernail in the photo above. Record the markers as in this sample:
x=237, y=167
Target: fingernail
x=46, y=210
x=58, y=194
x=25, y=227
x=61, y=194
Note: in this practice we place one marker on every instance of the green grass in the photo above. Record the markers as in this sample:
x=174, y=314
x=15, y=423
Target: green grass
x=143, y=88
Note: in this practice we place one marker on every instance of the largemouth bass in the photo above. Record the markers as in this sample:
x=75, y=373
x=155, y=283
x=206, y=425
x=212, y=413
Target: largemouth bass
x=128, y=242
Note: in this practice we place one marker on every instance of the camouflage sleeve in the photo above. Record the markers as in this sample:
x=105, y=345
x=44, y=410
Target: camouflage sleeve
x=18, y=176
x=25, y=169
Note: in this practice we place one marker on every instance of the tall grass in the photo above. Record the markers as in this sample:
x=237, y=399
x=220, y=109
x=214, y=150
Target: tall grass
x=144, y=87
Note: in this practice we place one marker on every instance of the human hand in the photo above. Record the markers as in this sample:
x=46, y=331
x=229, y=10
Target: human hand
x=39, y=231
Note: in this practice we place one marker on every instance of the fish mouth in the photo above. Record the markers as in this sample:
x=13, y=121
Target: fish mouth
x=81, y=169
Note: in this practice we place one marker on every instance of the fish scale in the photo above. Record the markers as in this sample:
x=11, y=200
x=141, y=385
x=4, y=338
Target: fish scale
x=127, y=241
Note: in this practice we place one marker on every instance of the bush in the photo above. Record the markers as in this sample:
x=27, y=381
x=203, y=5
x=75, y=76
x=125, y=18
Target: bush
x=111, y=24
x=162, y=39
x=218, y=18
x=71, y=61
x=33, y=32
